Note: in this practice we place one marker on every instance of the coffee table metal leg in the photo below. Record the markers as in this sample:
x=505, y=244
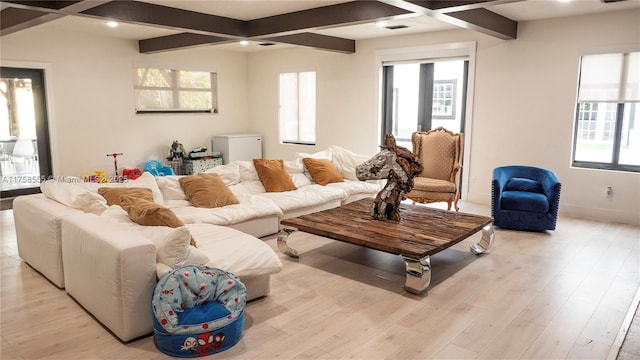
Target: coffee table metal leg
x=418, y=274
x=283, y=246
x=485, y=243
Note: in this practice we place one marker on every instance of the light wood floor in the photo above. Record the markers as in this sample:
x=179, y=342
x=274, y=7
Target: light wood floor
x=556, y=295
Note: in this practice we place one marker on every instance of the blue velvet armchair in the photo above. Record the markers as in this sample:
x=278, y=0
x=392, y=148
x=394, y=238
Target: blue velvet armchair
x=525, y=198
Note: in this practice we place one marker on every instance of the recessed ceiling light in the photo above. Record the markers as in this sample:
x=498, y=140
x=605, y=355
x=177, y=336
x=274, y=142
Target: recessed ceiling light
x=382, y=24
x=564, y=1
x=244, y=43
x=112, y=24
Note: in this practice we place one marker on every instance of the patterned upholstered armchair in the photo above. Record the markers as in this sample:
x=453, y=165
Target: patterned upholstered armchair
x=525, y=198
x=440, y=151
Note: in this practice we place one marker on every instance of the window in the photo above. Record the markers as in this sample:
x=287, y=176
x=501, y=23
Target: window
x=444, y=99
x=423, y=95
x=169, y=91
x=298, y=108
x=607, y=135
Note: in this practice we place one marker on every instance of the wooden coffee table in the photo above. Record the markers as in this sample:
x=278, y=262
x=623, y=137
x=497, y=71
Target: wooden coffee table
x=421, y=232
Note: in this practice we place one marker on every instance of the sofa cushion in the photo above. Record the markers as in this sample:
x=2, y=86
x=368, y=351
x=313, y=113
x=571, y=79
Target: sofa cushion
x=247, y=170
x=524, y=201
x=148, y=213
x=170, y=187
x=322, y=171
x=273, y=176
x=172, y=244
x=523, y=184
x=77, y=195
x=112, y=195
x=346, y=161
x=207, y=191
x=229, y=173
x=146, y=180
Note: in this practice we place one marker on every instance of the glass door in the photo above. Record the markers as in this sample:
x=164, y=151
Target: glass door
x=423, y=96
x=24, y=140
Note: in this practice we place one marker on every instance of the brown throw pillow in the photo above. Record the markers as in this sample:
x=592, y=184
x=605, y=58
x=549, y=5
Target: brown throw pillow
x=113, y=194
x=207, y=191
x=149, y=213
x=273, y=175
x=322, y=171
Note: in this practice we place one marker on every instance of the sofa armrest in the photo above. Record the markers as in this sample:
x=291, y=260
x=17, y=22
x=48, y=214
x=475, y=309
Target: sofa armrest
x=110, y=271
x=38, y=233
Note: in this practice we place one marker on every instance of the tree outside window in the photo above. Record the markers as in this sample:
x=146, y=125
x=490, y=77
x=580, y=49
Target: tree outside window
x=168, y=91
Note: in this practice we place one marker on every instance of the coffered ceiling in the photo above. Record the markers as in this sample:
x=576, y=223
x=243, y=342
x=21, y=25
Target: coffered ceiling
x=333, y=25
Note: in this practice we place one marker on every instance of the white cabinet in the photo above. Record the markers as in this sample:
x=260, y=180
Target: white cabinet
x=238, y=146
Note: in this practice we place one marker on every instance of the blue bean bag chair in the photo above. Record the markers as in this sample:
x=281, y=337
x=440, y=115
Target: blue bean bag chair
x=198, y=311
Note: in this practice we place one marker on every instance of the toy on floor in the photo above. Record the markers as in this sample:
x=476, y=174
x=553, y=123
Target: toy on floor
x=115, y=166
x=97, y=177
x=198, y=311
x=177, y=151
x=155, y=168
x=131, y=174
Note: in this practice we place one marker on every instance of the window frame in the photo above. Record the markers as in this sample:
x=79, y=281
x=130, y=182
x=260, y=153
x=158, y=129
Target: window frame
x=621, y=106
x=176, y=91
x=283, y=122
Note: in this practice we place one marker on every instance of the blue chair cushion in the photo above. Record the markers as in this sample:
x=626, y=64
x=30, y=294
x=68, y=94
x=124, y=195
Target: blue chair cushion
x=524, y=201
x=523, y=184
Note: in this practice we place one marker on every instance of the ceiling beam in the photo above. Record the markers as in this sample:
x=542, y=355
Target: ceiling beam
x=350, y=13
x=286, y=28
x=60, y=7
x=486, y=22
x=172, y=18
x=470, y=15
x=179, y=41
x=21, y=15
x=16, y=19
x=199, y=29
x=317, y=41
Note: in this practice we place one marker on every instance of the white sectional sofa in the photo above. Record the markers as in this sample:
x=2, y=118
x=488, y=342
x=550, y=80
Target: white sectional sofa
x=110, y=264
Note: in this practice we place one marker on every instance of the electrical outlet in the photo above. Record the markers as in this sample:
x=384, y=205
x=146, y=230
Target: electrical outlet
x=609, y=192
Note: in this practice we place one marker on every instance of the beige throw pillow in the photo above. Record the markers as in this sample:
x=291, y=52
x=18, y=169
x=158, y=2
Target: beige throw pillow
x=322, y=171
x=273, y=175
x=207, y=191
x=148, y=213
x=112, y=195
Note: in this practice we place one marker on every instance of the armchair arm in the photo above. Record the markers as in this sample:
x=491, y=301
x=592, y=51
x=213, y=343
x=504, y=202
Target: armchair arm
x=551, y=185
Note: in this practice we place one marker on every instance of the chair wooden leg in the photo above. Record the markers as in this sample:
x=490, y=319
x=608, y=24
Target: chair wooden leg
x=448, y=205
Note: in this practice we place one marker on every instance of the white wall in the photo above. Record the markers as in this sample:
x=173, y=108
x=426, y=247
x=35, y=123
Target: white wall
x=93, y=104
x=523, y=107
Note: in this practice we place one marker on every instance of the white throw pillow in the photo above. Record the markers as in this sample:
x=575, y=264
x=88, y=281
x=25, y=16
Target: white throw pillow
x=324, y=154
x=300, y=180
x=346, y=161
x=247, y=171
x=229, y=173
x=75, y=195
x=170, y=187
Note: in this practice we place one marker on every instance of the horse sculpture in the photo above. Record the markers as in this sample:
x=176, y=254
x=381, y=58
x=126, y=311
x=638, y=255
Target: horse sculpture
x=399, y=166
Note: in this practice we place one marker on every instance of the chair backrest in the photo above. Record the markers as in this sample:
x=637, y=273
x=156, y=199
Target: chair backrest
x=440, y=151
x=23, y=148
